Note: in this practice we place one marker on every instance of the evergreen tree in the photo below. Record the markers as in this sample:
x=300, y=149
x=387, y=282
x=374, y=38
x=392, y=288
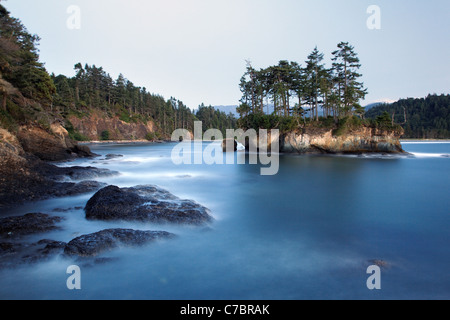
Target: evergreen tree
x=314, y=72
x=349, y=90
x=20, y=69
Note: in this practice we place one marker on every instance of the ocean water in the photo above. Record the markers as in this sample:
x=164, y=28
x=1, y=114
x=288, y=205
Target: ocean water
x=309, y=232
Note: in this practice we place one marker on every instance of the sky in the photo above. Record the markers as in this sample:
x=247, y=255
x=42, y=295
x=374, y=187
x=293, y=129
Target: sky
x=195, y=50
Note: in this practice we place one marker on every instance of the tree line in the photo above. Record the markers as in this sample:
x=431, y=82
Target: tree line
x=94, y=88
x=292, y=90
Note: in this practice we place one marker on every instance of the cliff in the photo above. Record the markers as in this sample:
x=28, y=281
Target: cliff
x=364, y=139
x=315, y=139
x=25, y=174
x=100, y=126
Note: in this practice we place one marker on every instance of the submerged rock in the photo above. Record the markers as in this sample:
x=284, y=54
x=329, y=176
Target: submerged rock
x=145, y=203
x=93, y=244
x=75, y=173
x=28, y=224
x=113, y=156
x=380, y=263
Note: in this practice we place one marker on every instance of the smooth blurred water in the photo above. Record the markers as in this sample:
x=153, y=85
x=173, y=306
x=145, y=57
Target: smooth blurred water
x=306, y=233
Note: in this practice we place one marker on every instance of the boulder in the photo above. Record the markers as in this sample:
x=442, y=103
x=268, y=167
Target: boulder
x=146, y=204
x=91, y=245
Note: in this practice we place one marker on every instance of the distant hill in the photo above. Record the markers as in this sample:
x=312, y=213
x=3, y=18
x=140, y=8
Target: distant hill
x=228, y=109
x=376, y=104
x=426, y=118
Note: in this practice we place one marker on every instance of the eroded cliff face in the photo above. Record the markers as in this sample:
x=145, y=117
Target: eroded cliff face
x=320, y=140
x=362, y=140
x=24, y=176
x=93, y=126
x=51, y=144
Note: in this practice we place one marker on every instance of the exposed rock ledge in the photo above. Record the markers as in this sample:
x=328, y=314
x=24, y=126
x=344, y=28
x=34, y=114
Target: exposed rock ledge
x=320, y=140
x=363, y=140
x=24, y=174
x=93, y=244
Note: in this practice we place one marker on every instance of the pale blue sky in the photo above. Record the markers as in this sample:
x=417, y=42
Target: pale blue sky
x=195, y=50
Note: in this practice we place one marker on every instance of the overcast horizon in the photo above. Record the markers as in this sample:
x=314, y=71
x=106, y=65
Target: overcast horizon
x=195, y=50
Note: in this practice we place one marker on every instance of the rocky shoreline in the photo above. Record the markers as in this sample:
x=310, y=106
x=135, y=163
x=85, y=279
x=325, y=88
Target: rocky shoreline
x=140, y=204
x=27, y=175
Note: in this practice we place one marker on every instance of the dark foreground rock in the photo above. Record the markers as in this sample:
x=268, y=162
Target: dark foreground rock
x=75, y=173
x=93, y=244
x=24, y=174
x=28, y=224
x=13, y=253
x=145, y=203
x=28, y=178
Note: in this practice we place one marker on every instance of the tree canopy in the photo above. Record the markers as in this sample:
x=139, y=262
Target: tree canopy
x=288, y=89
x=21, y=73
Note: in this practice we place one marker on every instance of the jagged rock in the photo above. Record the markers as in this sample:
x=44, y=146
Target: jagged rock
x=28, y=224
x=145, y=203
x=93, y=244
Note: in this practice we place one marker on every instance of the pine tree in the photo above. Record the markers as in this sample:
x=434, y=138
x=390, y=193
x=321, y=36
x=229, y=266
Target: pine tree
x=349, y=90
x=314, y=71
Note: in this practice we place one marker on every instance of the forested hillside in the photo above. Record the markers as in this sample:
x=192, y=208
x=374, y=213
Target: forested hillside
x=426, y=118
x=89, y=98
